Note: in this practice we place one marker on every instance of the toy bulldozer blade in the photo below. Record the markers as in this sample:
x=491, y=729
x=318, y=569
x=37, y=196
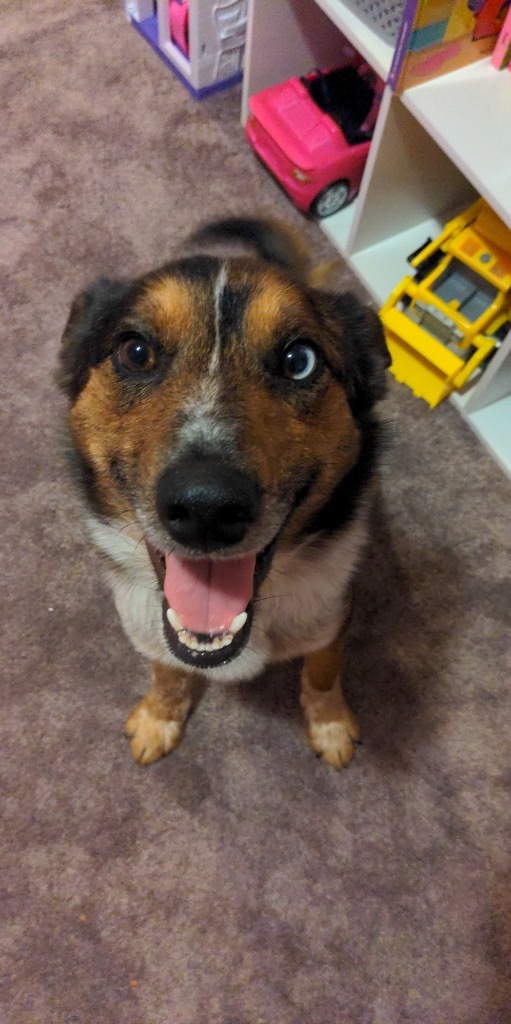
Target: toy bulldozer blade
x=427, y=367
x=443, y=324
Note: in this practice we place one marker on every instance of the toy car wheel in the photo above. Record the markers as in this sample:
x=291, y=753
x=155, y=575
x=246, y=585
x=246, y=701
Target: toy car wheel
x=331, y=199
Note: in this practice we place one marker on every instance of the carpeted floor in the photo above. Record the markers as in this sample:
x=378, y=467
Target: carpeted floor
x=239, y=881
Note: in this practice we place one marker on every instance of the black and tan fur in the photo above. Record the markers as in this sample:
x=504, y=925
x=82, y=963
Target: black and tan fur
x=217, y=328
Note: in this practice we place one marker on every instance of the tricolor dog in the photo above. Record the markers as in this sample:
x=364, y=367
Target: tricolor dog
x=222, y=430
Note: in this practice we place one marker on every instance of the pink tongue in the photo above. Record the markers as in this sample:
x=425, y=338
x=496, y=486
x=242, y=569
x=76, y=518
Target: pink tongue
x=208, y=594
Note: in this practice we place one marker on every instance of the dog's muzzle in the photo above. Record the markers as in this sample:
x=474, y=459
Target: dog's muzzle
x=207, y=506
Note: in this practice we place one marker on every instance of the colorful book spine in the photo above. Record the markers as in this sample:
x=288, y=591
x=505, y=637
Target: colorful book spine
x=501, y=56
x=403, y=42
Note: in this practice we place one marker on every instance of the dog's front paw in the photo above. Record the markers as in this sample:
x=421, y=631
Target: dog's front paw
x=151, y=737
x=335, y=740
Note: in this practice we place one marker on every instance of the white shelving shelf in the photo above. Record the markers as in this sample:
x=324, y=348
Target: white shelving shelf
x=377, y=52
x=450, y=106
x=339, y=227
x=491, y=425
x=382, y=265
x=435, y=149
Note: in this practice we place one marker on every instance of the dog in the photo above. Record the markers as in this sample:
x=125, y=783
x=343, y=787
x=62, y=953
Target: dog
x=223, y=435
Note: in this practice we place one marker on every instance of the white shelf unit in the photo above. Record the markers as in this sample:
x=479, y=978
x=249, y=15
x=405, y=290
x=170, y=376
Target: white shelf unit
x=366, y=39
x=435, y=149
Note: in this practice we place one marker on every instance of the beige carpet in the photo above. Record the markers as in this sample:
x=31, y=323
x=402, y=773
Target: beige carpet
x=239, y=881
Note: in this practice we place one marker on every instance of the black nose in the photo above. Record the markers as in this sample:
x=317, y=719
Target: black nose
x=206, y=503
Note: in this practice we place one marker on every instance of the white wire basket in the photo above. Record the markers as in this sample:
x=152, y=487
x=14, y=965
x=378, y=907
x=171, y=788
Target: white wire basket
x=384, y=16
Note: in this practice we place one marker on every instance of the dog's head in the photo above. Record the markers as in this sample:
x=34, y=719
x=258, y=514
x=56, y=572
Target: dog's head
x=223, y=405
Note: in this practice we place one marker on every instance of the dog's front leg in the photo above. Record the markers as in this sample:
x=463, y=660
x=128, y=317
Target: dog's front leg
x=332, y=728
x=157, y=724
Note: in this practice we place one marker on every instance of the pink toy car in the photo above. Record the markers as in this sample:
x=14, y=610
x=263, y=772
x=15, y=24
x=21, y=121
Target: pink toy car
x=313, y=133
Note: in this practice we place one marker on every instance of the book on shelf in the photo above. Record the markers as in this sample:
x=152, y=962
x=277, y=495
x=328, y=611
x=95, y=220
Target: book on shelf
x=501, y=56
x=437, y=36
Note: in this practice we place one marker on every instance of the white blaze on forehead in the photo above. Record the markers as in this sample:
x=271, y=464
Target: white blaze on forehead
x=205, y=421
x=218, y=292
x=205, y=399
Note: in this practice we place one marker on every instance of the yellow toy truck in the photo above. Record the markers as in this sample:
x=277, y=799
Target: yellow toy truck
x=444, y=323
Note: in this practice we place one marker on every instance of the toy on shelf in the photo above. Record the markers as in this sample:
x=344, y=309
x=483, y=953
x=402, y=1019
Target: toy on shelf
x=313, y=133
x=202, y=41
x=438, y=36
x=443, y=324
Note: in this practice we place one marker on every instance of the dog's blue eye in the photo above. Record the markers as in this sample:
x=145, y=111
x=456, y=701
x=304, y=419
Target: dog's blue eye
x=136, y=355
x=299, y=361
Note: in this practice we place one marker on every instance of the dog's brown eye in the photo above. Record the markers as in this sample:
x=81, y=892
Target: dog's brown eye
x=299, y=361
x=136, y=355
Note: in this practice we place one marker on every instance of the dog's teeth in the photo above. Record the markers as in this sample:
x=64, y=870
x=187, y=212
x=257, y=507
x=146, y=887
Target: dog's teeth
x=188, y=639
x=174, y=620
x=238, y=623
x=194, y=645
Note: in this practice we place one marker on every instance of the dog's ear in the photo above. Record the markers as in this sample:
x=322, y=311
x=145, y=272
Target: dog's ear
x=364, y=349
x=91, y=314
x=273, y=241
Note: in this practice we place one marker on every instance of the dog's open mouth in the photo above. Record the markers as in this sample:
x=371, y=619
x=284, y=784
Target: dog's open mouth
x=208, y=605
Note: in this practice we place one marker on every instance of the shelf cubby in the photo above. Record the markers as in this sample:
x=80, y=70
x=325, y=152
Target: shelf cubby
x=435, y=148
